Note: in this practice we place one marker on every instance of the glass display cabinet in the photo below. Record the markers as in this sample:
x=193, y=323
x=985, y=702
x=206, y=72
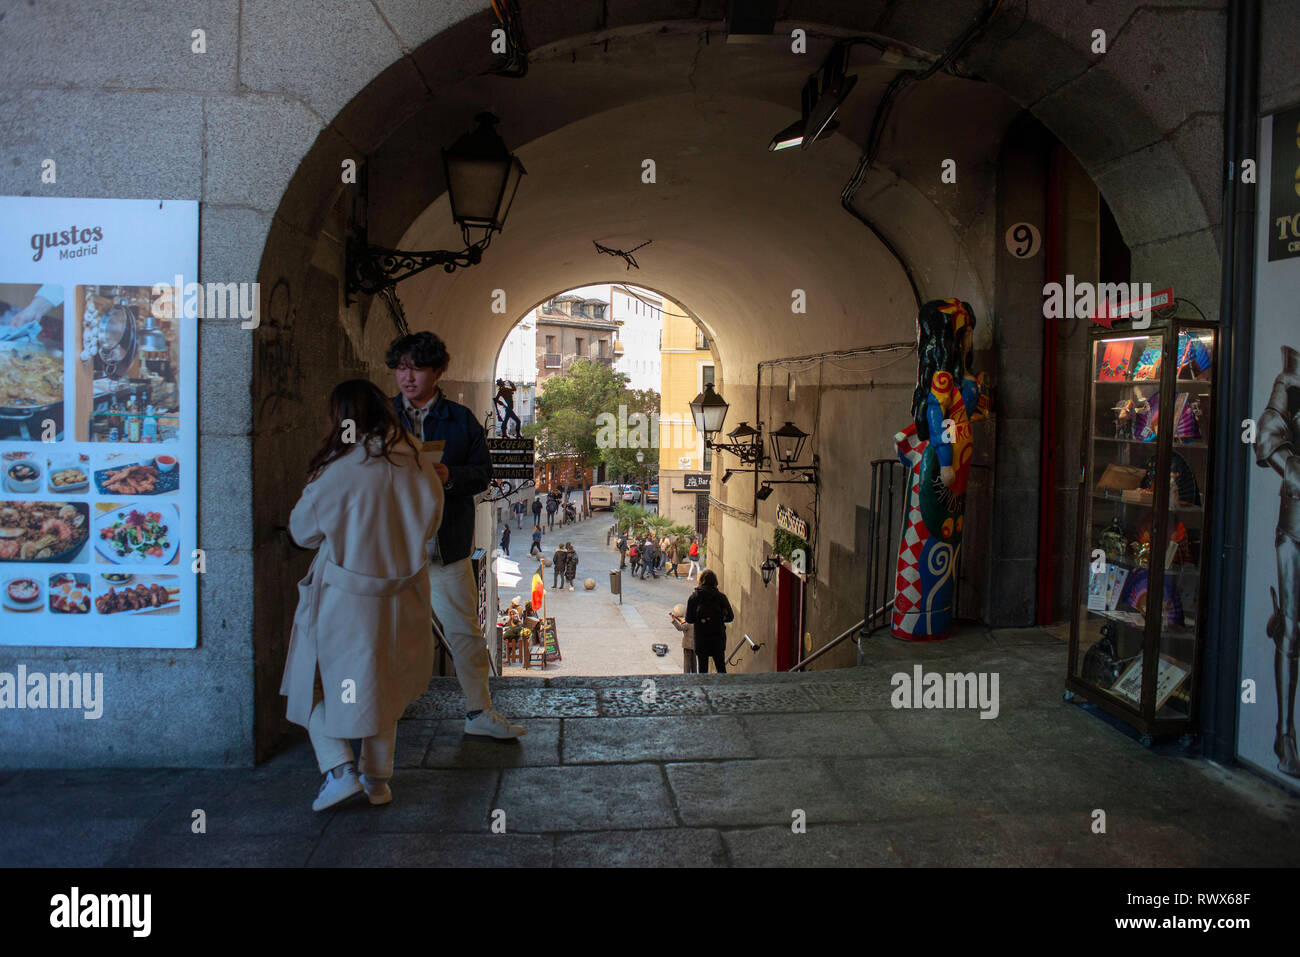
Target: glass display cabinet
x=1144, y=499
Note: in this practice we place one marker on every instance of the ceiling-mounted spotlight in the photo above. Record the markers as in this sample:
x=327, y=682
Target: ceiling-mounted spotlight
x=835, y=87
x=763, y=493
x=792, y=135
x=726, y=476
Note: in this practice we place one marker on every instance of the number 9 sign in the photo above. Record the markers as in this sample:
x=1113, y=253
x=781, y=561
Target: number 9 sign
x=1023, y=240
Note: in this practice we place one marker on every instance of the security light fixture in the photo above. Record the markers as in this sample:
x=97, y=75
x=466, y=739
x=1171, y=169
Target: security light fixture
x=770, y=564
x=820, y=99
x=482, y=177
x=763, y=492
x=726, y=476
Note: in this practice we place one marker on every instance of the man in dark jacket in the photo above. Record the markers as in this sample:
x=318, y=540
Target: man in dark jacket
x=571, y=565
x=559, y=562
x=551, y=505
x=537, y=510
x=465, y=467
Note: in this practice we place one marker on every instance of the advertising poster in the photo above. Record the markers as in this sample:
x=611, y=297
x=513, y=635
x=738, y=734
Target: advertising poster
x=1270, y=637
x=98, y=424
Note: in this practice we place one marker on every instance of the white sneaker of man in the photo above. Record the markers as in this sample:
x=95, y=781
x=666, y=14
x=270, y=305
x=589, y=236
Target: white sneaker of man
x=336, y=789
x=490, y=724
x=377, y=792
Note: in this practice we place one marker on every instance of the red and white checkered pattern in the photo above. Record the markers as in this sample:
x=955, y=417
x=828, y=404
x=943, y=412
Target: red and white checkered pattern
x=907, y=585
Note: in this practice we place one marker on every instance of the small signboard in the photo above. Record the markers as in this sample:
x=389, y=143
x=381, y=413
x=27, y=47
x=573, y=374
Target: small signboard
x=1107, y=313
x=511, y=458
x=696, y=482
x=1284, y=190
x=552, y=640
x=792, y=523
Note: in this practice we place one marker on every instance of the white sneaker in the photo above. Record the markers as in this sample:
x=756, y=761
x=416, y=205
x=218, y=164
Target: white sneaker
x=334, y=790
x=490, y=724
x=377, y=792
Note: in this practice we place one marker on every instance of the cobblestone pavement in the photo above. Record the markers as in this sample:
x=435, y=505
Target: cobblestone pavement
x=707, y=771
x=598, y=635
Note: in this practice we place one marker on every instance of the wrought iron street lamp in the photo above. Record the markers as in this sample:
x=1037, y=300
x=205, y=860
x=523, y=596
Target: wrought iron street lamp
x=482, y=178
x=767, y=568
x=709, y=410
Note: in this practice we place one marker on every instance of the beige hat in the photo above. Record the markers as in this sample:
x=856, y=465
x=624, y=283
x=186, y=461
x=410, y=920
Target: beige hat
x=515, y=602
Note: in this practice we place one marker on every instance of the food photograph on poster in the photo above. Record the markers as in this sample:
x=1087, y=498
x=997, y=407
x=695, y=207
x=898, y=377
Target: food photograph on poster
x=31, y=361
x=128, y=366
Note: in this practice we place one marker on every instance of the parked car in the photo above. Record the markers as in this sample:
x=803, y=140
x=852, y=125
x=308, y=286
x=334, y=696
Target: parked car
x=652, y=494
x=603, y=496
x=631, y=493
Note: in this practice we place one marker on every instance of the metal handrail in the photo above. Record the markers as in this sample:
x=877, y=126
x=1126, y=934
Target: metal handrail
x=848, y=633
x=740, y=644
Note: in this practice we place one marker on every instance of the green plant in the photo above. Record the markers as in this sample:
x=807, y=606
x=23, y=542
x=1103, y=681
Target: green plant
x=786, y=544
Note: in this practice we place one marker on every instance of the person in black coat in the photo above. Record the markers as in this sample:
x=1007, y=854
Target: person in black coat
x=571, y=565
x=709, y=611
x=418, y=362
x=559, y=562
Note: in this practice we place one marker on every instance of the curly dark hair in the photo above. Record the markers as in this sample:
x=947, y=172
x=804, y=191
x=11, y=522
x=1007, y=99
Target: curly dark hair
x=424, y=348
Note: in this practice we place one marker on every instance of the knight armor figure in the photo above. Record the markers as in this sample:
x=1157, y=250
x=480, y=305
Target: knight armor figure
x=1277, y=446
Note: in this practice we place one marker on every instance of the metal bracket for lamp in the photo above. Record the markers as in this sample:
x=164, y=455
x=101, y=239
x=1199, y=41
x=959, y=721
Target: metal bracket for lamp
x=372, y=269
x=749, y=453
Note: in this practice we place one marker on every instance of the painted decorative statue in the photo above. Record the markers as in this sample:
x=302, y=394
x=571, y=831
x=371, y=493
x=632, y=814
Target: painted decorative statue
x=936, y=448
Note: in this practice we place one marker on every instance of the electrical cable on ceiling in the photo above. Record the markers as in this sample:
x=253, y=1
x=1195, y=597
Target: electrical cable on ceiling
x=631, y=261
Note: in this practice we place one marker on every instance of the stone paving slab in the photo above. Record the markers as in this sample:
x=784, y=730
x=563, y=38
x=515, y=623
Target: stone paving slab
x=452, y=748
x=761, y=792
x=617, y=740
x=587, y=798
x=681, y=847
x=423, y=801
x=758, y=697
x=822, y=845
x=817, y=735
x=484, y=849
x=905, y=788
x=623, y=702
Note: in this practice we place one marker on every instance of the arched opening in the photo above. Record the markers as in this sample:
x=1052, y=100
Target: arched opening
x=759, y=245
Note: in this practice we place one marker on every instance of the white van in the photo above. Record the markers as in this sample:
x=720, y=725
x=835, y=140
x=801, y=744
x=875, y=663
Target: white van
x=602, y=496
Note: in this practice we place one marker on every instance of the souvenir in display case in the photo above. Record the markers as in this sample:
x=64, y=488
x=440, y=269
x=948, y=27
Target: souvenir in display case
x=1140, y=574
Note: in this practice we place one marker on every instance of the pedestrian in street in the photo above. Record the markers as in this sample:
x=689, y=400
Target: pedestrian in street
x=709, y=611
x=551, y=506
x=634, y=556
x=559, y=561
x=570, y=565
x=536, y=548
x=622, y=550
x=663, y=553
x=648, y=553
x=670, y=561
x=678, y=618
x=693, y=553
x=363, y=620
x=505, y=538
x=518, y=508
x=418, y=361
x=537, y=510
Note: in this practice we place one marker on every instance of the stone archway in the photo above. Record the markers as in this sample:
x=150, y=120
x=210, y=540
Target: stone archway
x=427, y=95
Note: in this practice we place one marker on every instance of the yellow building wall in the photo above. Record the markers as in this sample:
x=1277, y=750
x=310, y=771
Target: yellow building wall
x=679, y=383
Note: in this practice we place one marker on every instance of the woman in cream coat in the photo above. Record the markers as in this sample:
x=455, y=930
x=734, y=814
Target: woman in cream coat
x=362, y=647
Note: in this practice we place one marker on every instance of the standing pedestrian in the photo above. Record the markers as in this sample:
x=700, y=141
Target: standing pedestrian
x=537, y=510
x=571, y=566
x=678, y=617
x=518, y=508
x=505, y=538
x=559, y=562
x=363, y=620
x=709, y=611
x=634, y=556
x=536, y=548
x=670, y=560
x=418, y=362
x=648, y=558
x=622, y=550
x=694, y=554
x=551, y=506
